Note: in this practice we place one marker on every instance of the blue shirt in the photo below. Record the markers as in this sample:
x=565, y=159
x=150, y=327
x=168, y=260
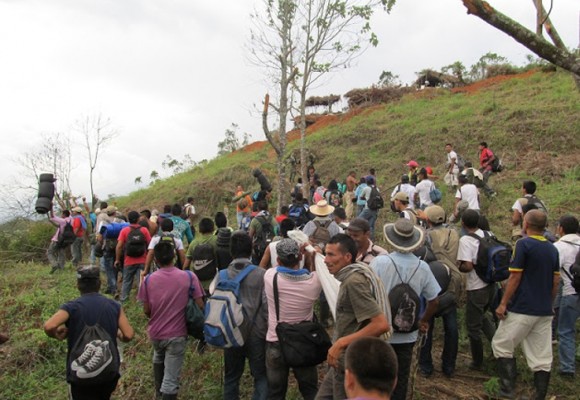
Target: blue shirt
x=538, y=261
x=358, y=193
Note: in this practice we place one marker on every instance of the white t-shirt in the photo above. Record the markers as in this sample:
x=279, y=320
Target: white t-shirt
x=567, y=253
x=155, y=239
x=469, y=193
x=468, y=247
x=406, y=188
x=296, y=298
x=451, y=155
x=423, y=188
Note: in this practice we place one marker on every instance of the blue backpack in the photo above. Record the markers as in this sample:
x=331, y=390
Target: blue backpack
x=493, y=258
x=224, y=313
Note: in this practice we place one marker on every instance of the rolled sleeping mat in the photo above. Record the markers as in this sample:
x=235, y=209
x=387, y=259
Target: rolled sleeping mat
x=262, y=180
x=111, y=231
x=45, y=193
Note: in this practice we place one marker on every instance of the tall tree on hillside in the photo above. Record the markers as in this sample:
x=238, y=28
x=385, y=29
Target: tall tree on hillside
x=97, y=132
x=556, y=53
x=330, y=34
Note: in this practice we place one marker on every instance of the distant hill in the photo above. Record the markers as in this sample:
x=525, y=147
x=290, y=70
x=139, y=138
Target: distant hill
x=531, y=120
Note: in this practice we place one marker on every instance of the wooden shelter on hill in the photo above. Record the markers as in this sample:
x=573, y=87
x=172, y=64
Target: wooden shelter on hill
x=430, y=78
x=375, y=95
x=327, y=101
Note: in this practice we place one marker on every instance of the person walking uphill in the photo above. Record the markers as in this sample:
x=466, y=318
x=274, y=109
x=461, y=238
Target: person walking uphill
x=56, y=249
x=165, y=294
x=79, y=224
x=132, y=247
x=91, y=313
x=525, y=310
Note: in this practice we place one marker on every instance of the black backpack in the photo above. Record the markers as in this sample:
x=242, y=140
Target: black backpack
x=493, y=258
x=405, y=304
x=262, y=238
x=94, y=358
x=66, y=236
x=136, y=244
x=574, y=273
x=533, y=199
x=298, y=214
x=375, y=200
x=203, y=261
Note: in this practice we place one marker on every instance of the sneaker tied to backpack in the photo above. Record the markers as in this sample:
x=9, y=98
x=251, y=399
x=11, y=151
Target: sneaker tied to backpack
x=90, y=349
x=97, y=363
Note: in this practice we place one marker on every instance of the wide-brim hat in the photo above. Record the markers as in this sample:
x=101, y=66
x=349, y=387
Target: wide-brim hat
x=77, y=209
x=321, y=209
x=404, y=236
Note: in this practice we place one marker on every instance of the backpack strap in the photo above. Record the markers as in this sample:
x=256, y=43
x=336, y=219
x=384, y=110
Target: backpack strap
x=276, y=299
x=243, y=273
x=397, y=270
x=191, y=288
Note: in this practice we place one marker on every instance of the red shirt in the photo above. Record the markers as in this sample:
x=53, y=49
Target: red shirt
x=281, y=218
x=78, y=226
x=485, y=155
x=123, y=238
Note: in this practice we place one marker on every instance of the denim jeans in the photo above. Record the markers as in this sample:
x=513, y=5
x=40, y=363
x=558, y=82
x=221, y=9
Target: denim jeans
x=476, y=312
x=332, y=386
x=404, y=353
x=170, y=353
x=108, y=261
x=450, y=345
x=486, y=188
x=129, y=273
x=235, y=360
x=569, y=313
x=77, y=251
x=371, y=216
x=278, y=371
x=55, y=256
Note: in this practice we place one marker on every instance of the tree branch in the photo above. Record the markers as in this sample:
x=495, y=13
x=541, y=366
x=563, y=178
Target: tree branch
x=265, y=126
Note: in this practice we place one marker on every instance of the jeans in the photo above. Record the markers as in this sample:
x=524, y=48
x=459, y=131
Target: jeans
x=486, y=188
x=55, y=256
x=277, y=372
x=170, y=353
x=359, y=209
x=108, y=261
x=239, y=216
x=404, y=353
x=450, y=345
x=476, y=319
x=101, y=391
x=77, y=251
x=332, y=386
x=371, y=216
x=129, y=272
x=235, y=360
x=569, y=313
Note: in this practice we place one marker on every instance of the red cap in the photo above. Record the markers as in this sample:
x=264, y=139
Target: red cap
x=413, y=164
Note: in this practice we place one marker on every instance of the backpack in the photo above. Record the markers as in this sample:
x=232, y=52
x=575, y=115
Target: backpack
x=574, y=274
x=334, y=198
x=136, y=244
x=393, y=209
x=435, y=194
x=194, y=318
x=460, y=162
x=203, y=261
x=375, y=201
x=533, y=199
x=493, y=258
x=224, y=313
x=94, y=358
x=298, y=214
x=245, y=223
x=262, y=238
x=66, y=236
x=321, y=234
x=496, y=165
x=405, y=304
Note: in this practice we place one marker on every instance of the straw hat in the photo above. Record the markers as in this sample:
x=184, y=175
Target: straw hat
x=322, y=209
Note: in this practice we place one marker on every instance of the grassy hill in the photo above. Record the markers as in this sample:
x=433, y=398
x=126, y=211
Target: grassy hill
x=532, y=121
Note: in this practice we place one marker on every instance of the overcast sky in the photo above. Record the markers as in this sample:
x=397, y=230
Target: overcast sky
x=172, y=75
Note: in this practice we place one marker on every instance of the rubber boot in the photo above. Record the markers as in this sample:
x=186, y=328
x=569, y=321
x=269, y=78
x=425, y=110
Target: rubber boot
x=507, y=377
x=169, y=396
x=158, y=371
x=541, y=381
x=476, y=353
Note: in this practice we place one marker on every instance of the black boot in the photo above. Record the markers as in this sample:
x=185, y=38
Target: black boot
x=476, y=353
x=507, y=377
x=169, y=396
x=158, y=371
x=541, y=381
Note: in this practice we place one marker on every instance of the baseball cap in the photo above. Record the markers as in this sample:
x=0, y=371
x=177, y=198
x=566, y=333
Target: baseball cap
x=359, y=224
x=287, y=249
x=88, y=272
x=401, y=196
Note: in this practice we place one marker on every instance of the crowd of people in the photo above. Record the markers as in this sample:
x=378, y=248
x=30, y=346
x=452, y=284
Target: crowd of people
x=386, y=305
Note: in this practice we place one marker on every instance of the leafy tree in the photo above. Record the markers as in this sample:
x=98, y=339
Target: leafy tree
x=387, y=78
x=478, y=70
x=138, y=180
x=154, y=176
x=231, y=141
x=172, y=164
x=457, y=69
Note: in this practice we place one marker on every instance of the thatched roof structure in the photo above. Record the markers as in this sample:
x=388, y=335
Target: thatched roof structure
x=327, y=101
x=375, y=95
x=432, y=78
x=310, y=119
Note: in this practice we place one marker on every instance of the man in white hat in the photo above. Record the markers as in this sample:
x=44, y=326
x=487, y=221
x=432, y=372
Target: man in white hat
x=322, y=228
x=402, y=266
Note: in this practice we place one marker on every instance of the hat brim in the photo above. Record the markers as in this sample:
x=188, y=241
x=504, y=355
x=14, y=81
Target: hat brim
x=321, y=211
x=404, y=245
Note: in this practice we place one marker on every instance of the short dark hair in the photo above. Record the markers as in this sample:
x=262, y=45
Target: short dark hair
x=166, y=225
x=340, y=212
x=166, y=208
x=362, y=180
x=529, y=187
x=372, y=171
x=220, y=219
x=65, y=213
x=262, y=205
x=284, y=210
x=164, y=253
x=462, y=179
x=133, y=217
x=470, y=219
x=286, y=225
x=241, y=245
x=176, y=209
x=104, y=205
x=346, y=244
x=146, y=213
x=299, y=196
x=189, y=199
x=569, y=224
x=88, y=285
x=448, y=144
x=206, y=225
x=374, y=364
x=484, y=144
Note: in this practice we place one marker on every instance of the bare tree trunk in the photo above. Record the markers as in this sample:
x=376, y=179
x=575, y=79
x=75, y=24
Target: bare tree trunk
x=536, y=43
x=303, y=162
x=544, y=20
